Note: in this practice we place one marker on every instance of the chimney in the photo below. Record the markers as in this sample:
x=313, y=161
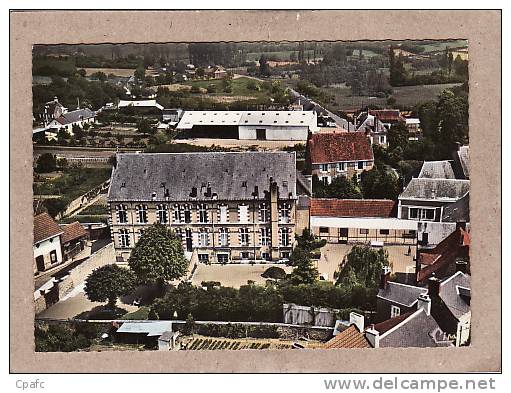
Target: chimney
x=373, y=336
x=461, y=266
x=433, y=286
x=357, y=320
x=384, y=277
x=274, y=217
x=424, y=302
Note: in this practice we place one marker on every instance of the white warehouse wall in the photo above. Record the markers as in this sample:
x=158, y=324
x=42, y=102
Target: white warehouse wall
x=275, y=133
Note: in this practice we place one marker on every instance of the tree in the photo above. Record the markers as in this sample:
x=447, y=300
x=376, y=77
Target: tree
x=55, y=206
x=275, y=272
x=340, y=187
x=363, y=267
x=308, y=242
x=81, y=72
x=46, y=163
x=264, y=67
x=398, y=136
x=140, y=73
x=380, y=183
x=59, y=338
x=144, y=127
x=107, y=283
x=158, y=256
x=304, y=271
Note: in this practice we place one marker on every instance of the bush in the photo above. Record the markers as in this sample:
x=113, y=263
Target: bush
x=274, y=272
x=46, y=163
x=59, y=338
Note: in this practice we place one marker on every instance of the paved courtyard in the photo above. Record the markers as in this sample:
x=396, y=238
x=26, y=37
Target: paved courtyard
x=233, y=275
x=333, y=254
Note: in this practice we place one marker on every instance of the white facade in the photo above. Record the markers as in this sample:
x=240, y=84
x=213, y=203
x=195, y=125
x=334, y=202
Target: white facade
x=363, y=223
x=49, y=251
x=273, y=133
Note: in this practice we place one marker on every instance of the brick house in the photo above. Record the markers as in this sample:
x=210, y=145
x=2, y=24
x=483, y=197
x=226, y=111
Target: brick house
x=226, y=207
x=330, y=155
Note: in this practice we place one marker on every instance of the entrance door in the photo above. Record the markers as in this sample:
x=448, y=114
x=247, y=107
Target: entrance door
x=425, y=238
x=261, y=134
x=343, y=235
x=40, y=263
x=189, y=242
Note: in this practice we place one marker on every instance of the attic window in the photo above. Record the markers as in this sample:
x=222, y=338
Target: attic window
x=287, y=121
x=284, y=183
x=123, y=184
x=243, y=184
x=274, y=121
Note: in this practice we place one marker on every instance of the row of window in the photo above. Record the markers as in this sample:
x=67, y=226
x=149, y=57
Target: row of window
x=326, y=180
x=224, y=257
x=342, y=166
x=422, y=214
x=223, y=237
x=343, y=232
x=183, y=213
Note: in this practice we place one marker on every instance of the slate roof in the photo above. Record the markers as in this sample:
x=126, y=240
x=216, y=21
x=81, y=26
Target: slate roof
x=454, y=294
x=417, y=330
x=349, y=338
x=346, y=146
x=437, y=170
x=75, y=116
x=457, y=211
x=401, y=293
x=443, y=254
x=326, y=207
x=232, y=176
x=72, y=232
x=45, y=227
x=435, y=189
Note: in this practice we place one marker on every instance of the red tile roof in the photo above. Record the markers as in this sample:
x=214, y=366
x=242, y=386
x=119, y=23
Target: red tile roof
x=345, y=146
x=387, y=114
x=73, y=231
x=443, y=254
x=353, y=207
x=385, y=326
x=349, y=338
x=45, y=227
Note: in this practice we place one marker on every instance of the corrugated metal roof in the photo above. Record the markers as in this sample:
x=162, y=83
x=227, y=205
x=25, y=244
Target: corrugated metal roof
x=156, y=328
x=248, y=118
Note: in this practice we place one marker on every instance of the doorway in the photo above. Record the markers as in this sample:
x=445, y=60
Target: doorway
x=261, y=134
x=40, y=263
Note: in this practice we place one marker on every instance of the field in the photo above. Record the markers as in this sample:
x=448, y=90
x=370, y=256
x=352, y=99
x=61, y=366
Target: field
x=440, y=46
x=406, y=96
x=124, y=72
x=282, y=55
x=239, y=87
x=200, y=343
x=73, y=182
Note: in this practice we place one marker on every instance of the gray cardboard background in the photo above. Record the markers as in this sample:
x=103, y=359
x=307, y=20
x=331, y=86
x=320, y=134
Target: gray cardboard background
x=481, y=28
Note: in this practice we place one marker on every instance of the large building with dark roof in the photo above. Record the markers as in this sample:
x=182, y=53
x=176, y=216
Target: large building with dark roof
x=225, y=207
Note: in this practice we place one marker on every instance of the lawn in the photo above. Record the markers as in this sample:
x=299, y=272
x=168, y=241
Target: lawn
x=441, y=45
x=123, y=72
x=73, y=182
x=141, y=314
x=239, y=87
x=406, y=96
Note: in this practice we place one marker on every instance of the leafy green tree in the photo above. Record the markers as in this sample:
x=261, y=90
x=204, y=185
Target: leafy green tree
x=140, y=73
x=144, y=127
x=55, y=206
x=81, y=72
x=308, y=241
x=340, y=187
x=158, y=256
x=264, y=67
x=363, y=267
x=46, y=163
x=304, y=271
x=398, y=136
x=380, y=183
x=59, y=338
x=275, y=272
x=107, y=283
